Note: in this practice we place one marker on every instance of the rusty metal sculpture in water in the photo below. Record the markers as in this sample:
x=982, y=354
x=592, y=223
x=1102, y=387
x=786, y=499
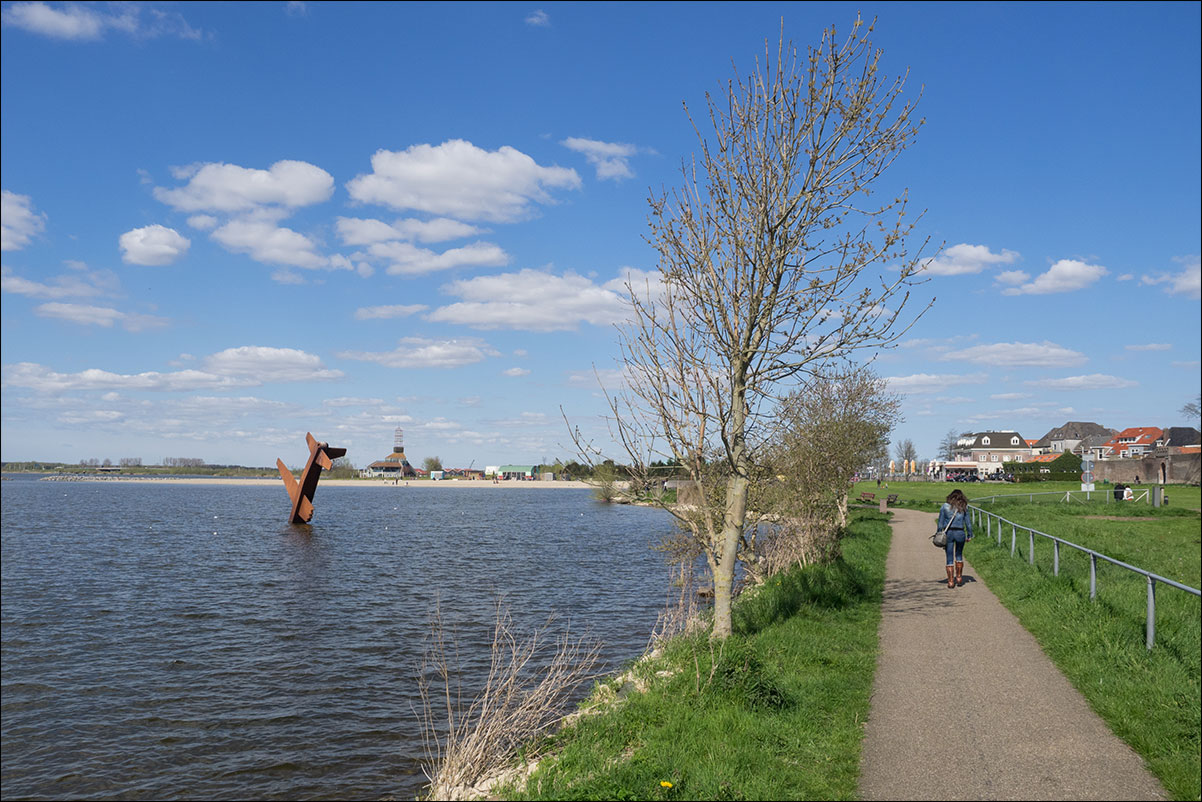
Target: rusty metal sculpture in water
x=320, y=456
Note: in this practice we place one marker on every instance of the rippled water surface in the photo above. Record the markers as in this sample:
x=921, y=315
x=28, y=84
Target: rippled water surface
x=179, y=641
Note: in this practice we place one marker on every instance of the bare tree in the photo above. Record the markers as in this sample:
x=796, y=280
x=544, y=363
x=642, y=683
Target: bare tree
x=829, y=429
x=947, y=446
x=773, y=263
x=432, y=464
x=906, y=452
x=1192, y=409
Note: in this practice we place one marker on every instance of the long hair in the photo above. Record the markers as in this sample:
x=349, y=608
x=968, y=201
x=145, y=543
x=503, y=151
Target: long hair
x=957, y=500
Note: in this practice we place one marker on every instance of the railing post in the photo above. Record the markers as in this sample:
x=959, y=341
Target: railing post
x=1093, y=576
x=1013, y=538
x=1031, y=547
x=1151, y=612
x=1055, y=558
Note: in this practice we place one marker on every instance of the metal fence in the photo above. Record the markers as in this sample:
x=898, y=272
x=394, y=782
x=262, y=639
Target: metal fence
x=992, y=521
x=1078, y=496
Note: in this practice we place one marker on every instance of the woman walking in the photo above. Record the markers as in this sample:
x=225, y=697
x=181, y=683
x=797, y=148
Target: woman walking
x=953, y=516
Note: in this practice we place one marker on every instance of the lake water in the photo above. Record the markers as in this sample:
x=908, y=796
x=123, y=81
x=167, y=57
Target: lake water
x=182, y=642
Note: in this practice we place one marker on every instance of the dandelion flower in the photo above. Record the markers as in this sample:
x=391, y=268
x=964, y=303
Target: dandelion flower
x=665, y=784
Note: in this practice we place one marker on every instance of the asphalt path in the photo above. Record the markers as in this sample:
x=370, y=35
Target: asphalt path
x=966, y=705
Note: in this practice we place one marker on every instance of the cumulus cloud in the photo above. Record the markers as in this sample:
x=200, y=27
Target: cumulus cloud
x=964, y=259
x=266, y=242
x=106, y=317
x=19, y=223
x=388, y=312
x=217, y=187
x=41, y=379
x=611, y=159
x=516, y=372
x=1187, y=281
x=460, y=180
x=152, y=245
x=1013, y=277
x=203, y=222
x=1064, y=276
x=80, y=284
x=1149, y=347
x=1045, y=354
x=73, y=22
x=1009, y=396
x=535, y=300
x=359, y=231
x=267, y=364
x=919, y=383
x=539, y=18
x=406, y=259
x=1094, y=381
x=420, y=352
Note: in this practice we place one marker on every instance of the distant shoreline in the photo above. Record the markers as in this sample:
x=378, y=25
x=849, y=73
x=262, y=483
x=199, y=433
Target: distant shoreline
x=381, y=483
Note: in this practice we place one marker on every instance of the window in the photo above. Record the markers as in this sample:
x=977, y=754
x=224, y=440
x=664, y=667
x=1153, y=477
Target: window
x=1013, y=441
x=993, y=457
x=984, y=441
x=982, y=458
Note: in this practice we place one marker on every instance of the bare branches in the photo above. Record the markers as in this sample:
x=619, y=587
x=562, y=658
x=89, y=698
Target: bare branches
x=529, y=684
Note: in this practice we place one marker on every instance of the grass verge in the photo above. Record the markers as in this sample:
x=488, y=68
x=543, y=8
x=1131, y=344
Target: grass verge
x=776, y=712
x=1150, y=699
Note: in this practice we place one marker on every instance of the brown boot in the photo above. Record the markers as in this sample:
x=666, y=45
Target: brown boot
x=951, y=582
x=960, y=574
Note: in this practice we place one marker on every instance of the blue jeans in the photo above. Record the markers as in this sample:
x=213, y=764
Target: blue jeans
x=955, y=546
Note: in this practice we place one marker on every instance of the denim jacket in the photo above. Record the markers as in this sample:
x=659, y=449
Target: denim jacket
x=961, y=523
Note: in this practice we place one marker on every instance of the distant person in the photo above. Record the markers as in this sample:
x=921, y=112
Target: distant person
x=1128, y=494
x=1118, y=491
x=878, y=483
x=954, y=516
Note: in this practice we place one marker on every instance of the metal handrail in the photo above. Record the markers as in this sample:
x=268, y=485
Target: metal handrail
x=1068, y=495
x=1094, y=556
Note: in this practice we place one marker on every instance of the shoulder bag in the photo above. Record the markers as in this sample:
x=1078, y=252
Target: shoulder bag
x=940, y=537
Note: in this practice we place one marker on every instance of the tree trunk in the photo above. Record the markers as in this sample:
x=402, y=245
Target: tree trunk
x=732, y=530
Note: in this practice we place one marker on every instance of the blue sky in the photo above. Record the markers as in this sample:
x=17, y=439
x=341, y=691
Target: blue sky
x=225, y=225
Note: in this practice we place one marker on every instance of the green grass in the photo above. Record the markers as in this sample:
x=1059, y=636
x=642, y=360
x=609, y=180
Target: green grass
x=1150, y=699
x=775, y=713
x=929, y=495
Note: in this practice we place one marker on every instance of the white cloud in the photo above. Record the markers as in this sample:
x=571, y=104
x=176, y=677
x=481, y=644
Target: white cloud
x=516, y=372
x=609, y=378
x=296, y=8
x=1045, y=354
x=419, y=352
x=534, y=300
x=932, y=383
x=964, y=259
x=1009, y=396
x=42, y=379
x=1188, y=281
x=81, y=284
x=359, y=231
x=269, y=364
x=103, y=316
x=152, y=245
x=388, y=312
x=611, y=159
x=1149, y=347
x=539, y=18
x=82, y=23
x=1064, y=276
x=203, y=222
x=218, y=187
x=1094, y=381
x=461, y=180
x=407, y=259
x=18, y=222
x=269, y=243
x=1013, y=277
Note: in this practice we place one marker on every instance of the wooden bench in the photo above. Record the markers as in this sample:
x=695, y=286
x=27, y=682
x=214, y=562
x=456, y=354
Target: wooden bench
x=892, y=499
x=867, y=496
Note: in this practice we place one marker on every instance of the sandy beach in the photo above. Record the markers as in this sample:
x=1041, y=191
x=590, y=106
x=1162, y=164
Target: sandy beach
x=420, y=484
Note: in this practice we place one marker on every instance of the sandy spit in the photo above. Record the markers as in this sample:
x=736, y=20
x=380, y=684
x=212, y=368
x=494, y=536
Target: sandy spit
x=415, y=484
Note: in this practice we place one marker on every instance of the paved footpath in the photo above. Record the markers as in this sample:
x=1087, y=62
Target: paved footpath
x=965, y=704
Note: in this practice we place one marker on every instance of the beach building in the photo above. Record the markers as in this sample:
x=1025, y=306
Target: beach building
x=393, y=466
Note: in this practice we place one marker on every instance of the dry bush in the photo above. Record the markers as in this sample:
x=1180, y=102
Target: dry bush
x=530, y=683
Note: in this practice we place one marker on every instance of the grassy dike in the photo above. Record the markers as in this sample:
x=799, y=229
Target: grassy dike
x=1149, y=699
x=776, y=713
